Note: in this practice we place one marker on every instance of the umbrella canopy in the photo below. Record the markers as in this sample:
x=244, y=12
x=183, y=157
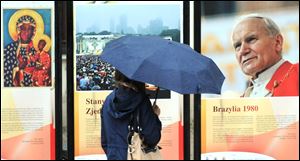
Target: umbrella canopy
x=167, y=64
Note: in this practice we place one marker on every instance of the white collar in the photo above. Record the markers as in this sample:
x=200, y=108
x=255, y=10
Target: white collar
x=260, y=83
x=266, y=75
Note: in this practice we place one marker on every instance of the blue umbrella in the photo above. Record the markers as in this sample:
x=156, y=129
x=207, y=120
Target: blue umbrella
x=164, y=63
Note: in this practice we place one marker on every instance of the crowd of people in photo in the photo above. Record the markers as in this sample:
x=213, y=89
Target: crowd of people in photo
x=93, y=74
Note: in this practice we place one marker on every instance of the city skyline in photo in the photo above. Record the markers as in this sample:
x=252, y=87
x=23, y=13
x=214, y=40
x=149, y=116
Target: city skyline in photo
x=127, y=19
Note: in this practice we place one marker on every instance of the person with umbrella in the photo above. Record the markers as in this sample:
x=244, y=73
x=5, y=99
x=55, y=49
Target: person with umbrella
x=163, y=63
x=116, y=114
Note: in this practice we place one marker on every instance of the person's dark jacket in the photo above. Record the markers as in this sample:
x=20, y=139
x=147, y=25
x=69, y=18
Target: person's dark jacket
x=115, y=117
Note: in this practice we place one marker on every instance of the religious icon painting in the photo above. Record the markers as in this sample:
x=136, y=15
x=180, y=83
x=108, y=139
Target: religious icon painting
x=26, y=41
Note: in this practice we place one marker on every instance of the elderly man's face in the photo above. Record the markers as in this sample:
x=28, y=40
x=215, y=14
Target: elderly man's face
x=255, y=49
x=26, y=33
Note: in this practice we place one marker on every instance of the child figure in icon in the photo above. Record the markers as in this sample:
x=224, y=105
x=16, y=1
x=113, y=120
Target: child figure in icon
x=42, y=74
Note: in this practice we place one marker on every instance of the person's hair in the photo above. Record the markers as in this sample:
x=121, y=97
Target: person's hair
x=270, y=25
x=122, y=80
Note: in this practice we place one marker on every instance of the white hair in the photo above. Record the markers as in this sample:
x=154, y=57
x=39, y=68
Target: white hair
x=270, y=25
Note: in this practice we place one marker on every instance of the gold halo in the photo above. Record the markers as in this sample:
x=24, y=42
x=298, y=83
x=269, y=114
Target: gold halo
x=40, y=37
x=12, y=29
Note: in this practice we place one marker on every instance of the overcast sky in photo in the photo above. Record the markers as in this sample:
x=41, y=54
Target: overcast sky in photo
x=105, y=17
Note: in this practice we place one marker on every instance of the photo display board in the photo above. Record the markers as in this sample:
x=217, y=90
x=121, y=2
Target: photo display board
x=234, y=127
x=96, y=24
x=27, y=80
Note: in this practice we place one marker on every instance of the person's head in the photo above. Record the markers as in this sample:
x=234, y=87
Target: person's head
x=257, y=42
x=42, y=44
x=122, y=80
x=26, y=28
